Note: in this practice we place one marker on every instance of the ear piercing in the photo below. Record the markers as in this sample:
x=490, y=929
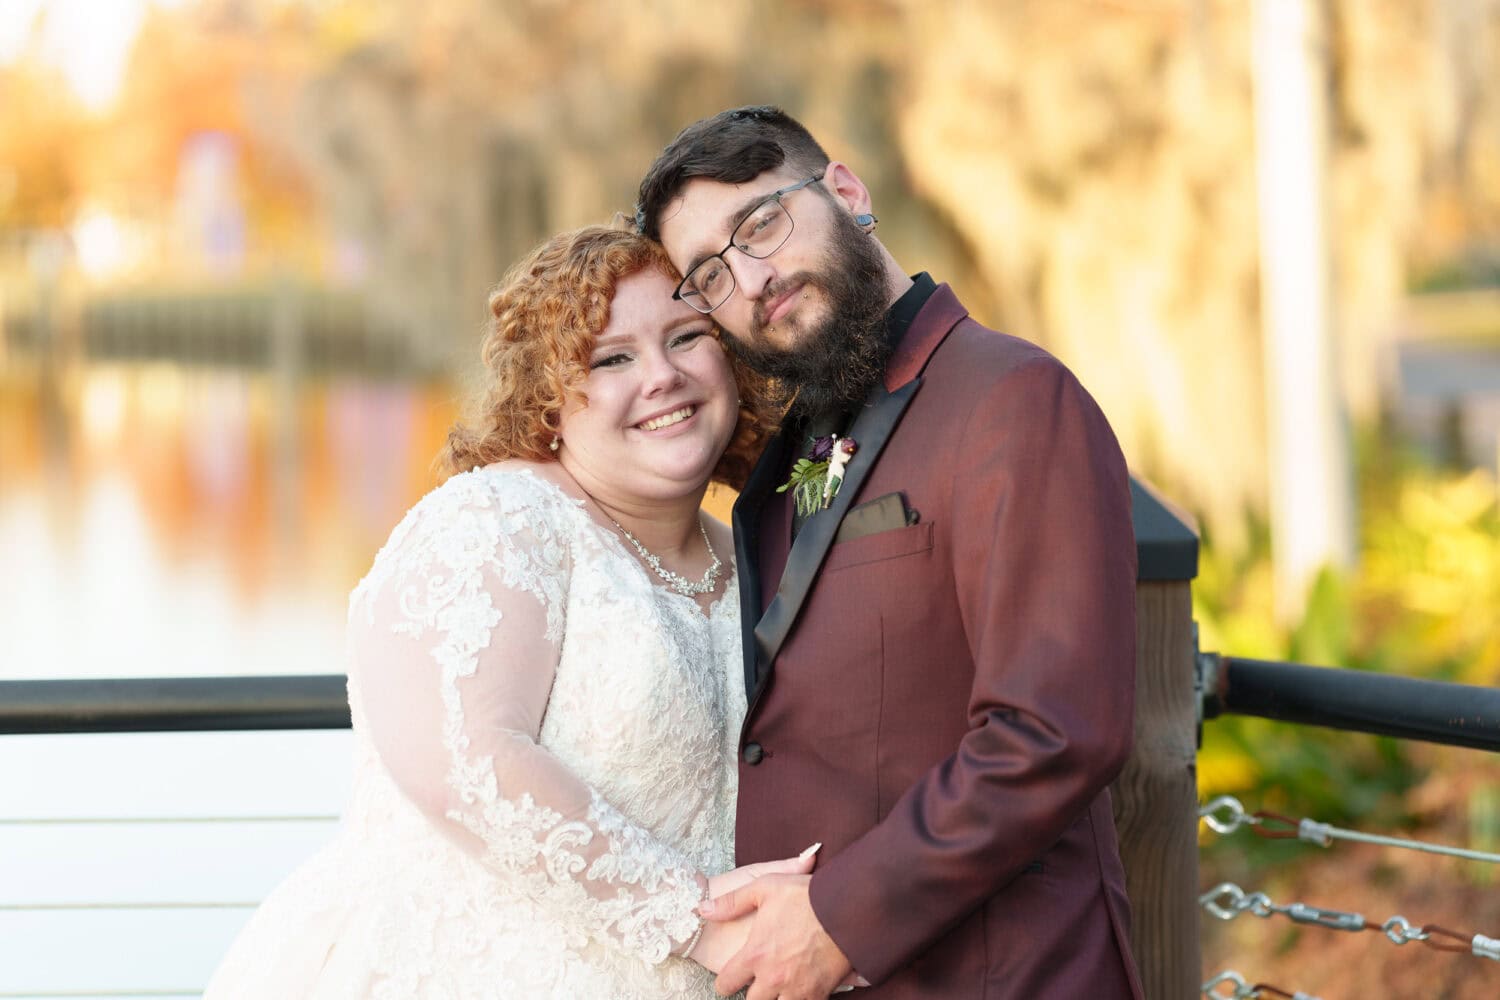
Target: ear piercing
x=555, y=441
x=866, y=221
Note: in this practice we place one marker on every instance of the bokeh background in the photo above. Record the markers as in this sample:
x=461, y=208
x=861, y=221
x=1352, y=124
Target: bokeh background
x=245, y=247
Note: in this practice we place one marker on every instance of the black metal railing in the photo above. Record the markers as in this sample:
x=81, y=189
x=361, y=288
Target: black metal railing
x=1381, y=704
x=173, y=704
x=1460, y=715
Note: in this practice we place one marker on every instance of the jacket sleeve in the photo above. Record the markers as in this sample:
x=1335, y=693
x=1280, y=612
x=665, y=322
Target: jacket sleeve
x=1044, y=563
x=455, y=637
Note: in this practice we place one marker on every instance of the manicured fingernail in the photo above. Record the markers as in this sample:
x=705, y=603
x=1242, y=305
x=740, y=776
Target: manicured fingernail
x=706, y=908
x=843, y=989
x=810, y=851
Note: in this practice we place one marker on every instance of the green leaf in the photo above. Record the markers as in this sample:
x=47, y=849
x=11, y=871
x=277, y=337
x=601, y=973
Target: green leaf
x=806, y=498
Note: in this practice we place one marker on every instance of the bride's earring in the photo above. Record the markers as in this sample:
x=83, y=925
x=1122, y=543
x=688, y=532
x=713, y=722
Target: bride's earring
x=555, y=442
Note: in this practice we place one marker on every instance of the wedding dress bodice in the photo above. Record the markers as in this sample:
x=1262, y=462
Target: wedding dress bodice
x=545, y=760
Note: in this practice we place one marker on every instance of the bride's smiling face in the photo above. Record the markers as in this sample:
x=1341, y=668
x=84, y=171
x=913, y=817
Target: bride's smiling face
x=661, y=399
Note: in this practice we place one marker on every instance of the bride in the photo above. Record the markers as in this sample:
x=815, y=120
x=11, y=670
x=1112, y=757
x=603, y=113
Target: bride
x=544, y=675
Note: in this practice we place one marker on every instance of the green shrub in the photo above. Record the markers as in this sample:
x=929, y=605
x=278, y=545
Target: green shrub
x=1422, y=602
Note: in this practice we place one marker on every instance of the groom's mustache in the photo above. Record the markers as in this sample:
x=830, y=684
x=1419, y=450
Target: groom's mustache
x=773, y=291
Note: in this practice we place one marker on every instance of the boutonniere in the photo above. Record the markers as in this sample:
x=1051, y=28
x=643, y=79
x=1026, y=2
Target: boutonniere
x=815, y=480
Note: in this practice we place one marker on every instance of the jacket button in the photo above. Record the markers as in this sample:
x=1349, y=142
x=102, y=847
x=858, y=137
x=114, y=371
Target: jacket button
x=753, y=753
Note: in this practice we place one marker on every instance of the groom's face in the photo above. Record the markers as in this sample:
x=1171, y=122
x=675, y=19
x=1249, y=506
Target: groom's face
x=779, y=302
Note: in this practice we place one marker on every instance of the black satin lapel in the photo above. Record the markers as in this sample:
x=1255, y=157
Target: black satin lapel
x=871, y=430
x=746, y=522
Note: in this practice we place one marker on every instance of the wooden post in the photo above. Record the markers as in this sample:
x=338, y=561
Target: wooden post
x=1156, y=796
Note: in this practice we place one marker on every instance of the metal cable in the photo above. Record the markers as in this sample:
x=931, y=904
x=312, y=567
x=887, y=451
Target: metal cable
x=1226, y=814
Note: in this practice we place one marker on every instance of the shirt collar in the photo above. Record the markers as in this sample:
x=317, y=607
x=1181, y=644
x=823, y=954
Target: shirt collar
x=905, y=309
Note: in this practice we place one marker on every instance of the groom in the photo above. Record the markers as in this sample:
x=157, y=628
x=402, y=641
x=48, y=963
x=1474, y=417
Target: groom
x=940, y=642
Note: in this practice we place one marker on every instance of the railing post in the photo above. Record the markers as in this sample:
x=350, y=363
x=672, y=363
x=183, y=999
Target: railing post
x=1156, y=796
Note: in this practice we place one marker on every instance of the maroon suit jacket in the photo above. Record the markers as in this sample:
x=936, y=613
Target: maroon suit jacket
x=944, y=704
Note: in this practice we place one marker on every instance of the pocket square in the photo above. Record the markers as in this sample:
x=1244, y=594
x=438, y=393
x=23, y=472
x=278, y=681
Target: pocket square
x=884, y=513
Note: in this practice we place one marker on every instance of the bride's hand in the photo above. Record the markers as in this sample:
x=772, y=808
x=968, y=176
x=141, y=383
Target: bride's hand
x=802, y=864
x=720, y=941
x=852, y=981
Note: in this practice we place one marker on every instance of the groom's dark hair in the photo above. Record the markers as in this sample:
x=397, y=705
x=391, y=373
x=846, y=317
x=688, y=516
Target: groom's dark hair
x=731, y=147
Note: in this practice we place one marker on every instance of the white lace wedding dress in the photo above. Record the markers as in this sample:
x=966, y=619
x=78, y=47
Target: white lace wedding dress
x=544, y=767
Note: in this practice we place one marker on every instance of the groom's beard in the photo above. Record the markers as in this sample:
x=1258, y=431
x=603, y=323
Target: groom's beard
x=832, y=366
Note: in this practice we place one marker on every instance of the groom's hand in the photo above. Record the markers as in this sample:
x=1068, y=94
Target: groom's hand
x=788, y=954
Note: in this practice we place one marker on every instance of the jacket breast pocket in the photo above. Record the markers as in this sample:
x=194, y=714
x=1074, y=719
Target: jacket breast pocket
x=882, y=545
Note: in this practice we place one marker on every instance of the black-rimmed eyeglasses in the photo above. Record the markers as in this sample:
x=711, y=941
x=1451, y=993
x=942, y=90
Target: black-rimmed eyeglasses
x=761, y=233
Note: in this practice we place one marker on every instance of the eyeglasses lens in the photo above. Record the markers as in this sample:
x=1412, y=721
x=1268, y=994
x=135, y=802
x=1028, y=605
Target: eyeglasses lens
x=762, y=233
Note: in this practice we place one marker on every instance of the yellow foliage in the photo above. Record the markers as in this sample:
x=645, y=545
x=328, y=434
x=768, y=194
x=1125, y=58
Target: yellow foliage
x=1224, y=770
x=1422, y=603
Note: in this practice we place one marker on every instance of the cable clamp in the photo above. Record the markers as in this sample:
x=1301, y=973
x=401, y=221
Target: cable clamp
x=1314, y=832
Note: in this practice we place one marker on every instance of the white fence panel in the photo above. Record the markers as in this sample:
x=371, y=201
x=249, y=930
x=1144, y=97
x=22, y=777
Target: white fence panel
x=129, y=861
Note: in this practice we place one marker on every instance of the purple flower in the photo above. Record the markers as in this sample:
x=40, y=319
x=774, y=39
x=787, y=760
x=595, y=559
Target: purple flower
x=822, y=448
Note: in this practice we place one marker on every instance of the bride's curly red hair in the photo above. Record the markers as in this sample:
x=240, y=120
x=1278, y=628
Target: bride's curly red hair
x=546, y=315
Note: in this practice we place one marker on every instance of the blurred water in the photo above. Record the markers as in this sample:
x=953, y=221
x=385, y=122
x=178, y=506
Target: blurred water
x=102, y=598
x=178, y=523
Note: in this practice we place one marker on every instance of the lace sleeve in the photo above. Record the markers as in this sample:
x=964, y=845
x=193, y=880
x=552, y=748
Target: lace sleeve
x=455, y=636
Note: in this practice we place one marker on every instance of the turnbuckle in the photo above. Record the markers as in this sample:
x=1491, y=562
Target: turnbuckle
x=1338, y=920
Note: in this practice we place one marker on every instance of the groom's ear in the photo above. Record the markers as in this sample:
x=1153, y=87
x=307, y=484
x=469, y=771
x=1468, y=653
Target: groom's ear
x=846, y=187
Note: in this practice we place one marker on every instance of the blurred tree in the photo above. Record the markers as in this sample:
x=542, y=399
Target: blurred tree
x=40, y=134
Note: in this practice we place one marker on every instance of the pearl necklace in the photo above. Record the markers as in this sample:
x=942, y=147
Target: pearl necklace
x=679, y=584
